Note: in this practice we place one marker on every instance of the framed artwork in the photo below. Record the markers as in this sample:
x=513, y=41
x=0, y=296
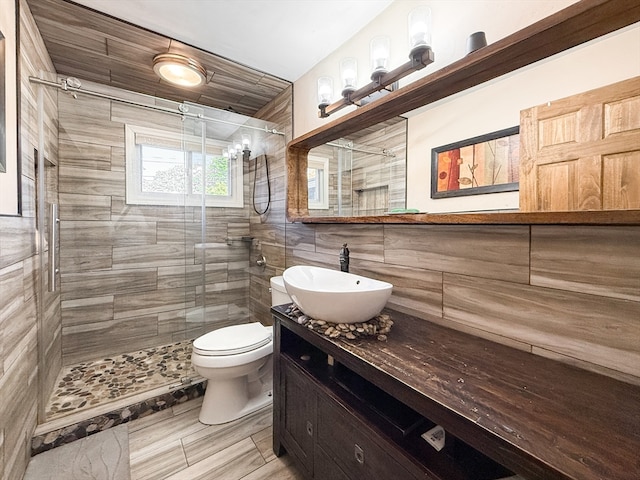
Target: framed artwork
x=485, y=164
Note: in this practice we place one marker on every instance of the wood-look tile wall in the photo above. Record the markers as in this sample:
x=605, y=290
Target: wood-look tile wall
x=132, y=275
x=268, y=230
x=571, y=293
x=29, y=323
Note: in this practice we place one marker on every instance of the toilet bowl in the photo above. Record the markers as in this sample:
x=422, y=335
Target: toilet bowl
x=237, y=362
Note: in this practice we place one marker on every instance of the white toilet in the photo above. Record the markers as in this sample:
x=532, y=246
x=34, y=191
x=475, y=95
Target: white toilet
x=237, y=363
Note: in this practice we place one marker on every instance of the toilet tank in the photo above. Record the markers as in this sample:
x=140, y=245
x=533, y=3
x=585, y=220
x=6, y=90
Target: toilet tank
x=278, y=291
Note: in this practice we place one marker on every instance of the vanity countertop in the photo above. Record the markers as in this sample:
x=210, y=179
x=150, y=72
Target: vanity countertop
x=539, y=417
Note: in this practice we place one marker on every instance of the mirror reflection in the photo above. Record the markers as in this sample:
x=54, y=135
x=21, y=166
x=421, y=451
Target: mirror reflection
x=364, y=174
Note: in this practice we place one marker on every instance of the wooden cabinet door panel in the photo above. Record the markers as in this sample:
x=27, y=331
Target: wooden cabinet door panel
x=582, y=152
x=299, y=415
x=325, y=468
x=353, y=447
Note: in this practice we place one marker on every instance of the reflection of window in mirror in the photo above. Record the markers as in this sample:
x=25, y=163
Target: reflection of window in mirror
x=318, y=182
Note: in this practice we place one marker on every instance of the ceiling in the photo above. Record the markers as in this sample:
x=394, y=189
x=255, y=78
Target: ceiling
x=282, y=37
x=252, y=49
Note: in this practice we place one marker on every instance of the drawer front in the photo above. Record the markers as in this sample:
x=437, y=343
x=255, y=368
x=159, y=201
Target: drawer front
x=351, y=445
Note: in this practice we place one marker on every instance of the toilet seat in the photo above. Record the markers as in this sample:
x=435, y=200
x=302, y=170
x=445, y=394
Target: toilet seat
x=233, y=340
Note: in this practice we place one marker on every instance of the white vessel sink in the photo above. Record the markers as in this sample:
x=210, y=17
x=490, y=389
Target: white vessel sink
x=335, y=296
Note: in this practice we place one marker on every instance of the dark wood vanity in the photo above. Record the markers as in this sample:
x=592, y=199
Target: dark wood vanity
x=357, y=409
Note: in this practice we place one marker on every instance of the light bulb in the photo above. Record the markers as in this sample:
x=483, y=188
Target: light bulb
x=379, y=50
x=325, y=90
x=348, y=74
x=420, y=27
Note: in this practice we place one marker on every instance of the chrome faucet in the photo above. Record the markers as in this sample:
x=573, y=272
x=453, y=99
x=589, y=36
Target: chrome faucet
x=344, y=258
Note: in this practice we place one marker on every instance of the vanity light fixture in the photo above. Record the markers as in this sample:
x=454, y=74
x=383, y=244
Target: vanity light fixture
x=230, y=152
x=238, y=147
x=246, y=147
x=420, y=56
x=179, y=70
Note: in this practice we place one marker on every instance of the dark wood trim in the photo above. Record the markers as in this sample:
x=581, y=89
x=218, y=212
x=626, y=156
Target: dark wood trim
x=596, y=217
x=579, y=23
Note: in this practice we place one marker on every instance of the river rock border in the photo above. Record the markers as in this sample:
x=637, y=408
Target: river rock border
x=377, y=327
x=100, y=423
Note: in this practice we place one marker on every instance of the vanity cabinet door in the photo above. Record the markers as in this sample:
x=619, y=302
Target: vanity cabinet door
x=325, y=468
x=353, y=446
x=299, y=415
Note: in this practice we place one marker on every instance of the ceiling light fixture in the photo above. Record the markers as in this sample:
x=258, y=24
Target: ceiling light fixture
x=420, y=56
x=179, y=70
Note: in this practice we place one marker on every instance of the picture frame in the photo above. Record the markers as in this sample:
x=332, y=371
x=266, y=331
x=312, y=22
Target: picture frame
x=10, y=154
x=484, y=164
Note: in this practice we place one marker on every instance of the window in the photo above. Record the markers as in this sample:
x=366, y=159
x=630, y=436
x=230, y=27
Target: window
x=318, y=182
x=168, y=168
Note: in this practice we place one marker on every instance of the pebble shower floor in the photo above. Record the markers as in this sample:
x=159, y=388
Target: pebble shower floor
x=90, y=384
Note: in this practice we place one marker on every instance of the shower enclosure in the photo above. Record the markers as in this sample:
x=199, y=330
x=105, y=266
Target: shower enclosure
x=154, y=234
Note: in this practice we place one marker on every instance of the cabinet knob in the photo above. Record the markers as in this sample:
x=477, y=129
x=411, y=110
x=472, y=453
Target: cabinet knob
x=358, y=453
x=309, y=428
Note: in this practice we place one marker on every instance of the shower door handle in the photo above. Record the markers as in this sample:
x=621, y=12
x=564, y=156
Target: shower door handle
x=53, y=242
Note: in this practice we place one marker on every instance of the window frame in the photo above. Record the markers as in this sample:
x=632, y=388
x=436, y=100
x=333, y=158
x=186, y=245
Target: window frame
x=134, y=195
x=321, y=164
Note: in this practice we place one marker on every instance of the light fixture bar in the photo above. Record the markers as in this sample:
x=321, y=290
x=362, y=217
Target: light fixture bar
x=419, y=58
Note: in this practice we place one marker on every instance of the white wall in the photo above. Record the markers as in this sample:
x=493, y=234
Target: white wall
x=453, y=22
x=496, y=105
x=484, y=109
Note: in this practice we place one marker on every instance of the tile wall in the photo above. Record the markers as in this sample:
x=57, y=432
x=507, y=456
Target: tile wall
x=123, y=266
x=29, y=325
x=268, y=230
x=571, y=293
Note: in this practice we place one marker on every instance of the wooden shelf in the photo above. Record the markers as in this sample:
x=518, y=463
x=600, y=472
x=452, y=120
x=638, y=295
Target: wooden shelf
x=599, y=217
x=579, y=23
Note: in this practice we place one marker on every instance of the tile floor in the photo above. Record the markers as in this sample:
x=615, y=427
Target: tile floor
x=174, y=445
x=171, y=444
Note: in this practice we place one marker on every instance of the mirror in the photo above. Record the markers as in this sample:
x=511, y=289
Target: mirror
x=364, y=174
x=481, y=93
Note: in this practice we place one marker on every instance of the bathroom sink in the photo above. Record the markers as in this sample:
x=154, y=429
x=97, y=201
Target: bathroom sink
x=335, y=296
